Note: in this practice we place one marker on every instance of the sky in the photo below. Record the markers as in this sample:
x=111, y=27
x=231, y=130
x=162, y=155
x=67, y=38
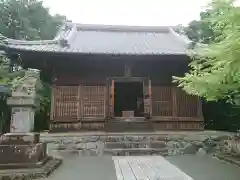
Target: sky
x=128, y=12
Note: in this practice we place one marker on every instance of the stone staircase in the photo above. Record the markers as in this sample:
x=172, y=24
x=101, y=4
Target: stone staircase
x=119, y=125
x=112, y=145
x=135, y=148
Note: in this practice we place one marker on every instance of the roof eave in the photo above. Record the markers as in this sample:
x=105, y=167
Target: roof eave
x=19, y=50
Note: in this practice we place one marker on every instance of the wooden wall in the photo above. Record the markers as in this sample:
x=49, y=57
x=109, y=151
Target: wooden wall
x=79, y=96
x=170, y=101
x=72, y=103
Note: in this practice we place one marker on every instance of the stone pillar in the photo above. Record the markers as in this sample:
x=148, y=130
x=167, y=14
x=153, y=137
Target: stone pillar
x=23, y=112
x=24, y=102
x=21, y=148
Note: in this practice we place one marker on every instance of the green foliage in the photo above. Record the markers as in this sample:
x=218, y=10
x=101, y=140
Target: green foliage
x=215, y=68
x=24, y=19
x=208, y=29
x=221, y=116
x=43, y=113
x=28, y=19
x=7, y=77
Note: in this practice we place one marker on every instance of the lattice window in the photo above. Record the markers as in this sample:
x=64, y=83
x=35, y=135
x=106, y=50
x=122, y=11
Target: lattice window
x=93, y=101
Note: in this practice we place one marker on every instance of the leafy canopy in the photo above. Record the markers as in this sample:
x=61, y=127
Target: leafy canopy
x=28, y=19
x=215, y=68
x=24, y=19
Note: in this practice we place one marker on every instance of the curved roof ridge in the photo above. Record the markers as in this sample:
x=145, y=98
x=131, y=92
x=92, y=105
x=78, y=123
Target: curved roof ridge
x=120, y=28
x=60, y=32
x=71, y=34
x=108, y=39
x=7, y=40
x=181, y=38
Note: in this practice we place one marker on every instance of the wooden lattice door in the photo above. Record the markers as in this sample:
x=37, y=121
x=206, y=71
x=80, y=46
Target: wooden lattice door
x=65, y=103
x=147, y=97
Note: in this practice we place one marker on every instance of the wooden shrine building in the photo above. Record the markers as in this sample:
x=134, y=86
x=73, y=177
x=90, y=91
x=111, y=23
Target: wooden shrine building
x=105, y=76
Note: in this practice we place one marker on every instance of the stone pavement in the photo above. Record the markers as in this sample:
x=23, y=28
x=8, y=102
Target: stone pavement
x=147, y=168
x=85, y=168
x=82, y=159
x=103, y=168
x=206, y=167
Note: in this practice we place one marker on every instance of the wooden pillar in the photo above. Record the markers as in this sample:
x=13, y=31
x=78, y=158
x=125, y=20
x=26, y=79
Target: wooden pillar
x=111, y=113
x=52, y=110
x=174, y=101
x=199, y=110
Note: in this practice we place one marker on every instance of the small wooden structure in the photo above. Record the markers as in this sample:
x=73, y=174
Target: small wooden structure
x=103, y=74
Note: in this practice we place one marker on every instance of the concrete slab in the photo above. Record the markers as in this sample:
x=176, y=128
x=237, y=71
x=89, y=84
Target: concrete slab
x=85, y=168
x=103, y=168
x=206, y=168
x=147, y=168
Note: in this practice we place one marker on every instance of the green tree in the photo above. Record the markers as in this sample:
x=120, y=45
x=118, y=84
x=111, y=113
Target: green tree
x=25, y=19
x=28, y=19
x=215, y=68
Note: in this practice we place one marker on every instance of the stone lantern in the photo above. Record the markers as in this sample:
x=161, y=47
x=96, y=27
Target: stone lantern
x=21, y=148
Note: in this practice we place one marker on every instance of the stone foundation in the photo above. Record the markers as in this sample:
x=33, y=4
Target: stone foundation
x=22, y=156
x=24, y=152
x=231, y=152
x=149, y=144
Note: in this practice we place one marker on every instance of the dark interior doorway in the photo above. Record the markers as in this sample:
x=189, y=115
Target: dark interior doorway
x=128, y=96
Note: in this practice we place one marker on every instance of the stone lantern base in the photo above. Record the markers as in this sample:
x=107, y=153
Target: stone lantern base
x=23, y=154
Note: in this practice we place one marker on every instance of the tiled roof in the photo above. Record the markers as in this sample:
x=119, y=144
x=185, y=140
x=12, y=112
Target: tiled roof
x=80, y=38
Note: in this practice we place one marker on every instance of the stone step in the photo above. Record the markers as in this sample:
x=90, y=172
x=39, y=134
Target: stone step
x=131, y=144
x=128, y=126
x=136, y=138
x=136, y=151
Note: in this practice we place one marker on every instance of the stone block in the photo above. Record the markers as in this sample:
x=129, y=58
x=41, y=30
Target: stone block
x=22, y=119
x=158, y=138
x=19, y=138
x=19, y=101
x=190, y=149
x=158, y=144
x=201, y=152
x=33, y=173
x=128, y=114
x=22, y=156
x=234, y=145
